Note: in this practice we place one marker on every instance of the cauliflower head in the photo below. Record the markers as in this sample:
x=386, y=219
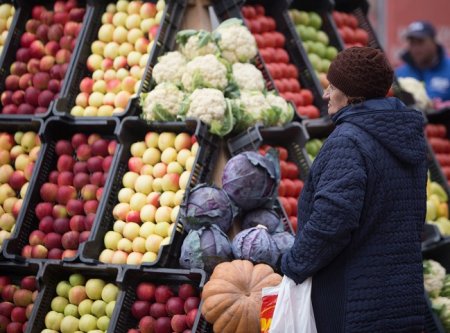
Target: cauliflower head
x=442, y=306
x=205, y=72
x=162, y=103
x=255, y=108
x=433, y=277
x=170, y=68
x=235, y=41
x=417, y=89
x=248, y=77
x=195, y=43
x=285, y=110
x=210, y=106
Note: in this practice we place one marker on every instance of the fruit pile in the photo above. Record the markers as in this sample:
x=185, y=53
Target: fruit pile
x=347, y=25
x=313, y=146
x=315, y=41
x=6, y=16
x=437, y=207
x=16, y=303
x=271, y=47
x=148, y=204
x=82, y=305
x=118, y=58
x=71, y=196
x=42, y=60
x=18, y=154
x=290, y=185
x=162, y=309
x=437, y=137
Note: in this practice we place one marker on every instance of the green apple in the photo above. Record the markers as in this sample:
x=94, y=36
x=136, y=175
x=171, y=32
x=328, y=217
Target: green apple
x=315, y=20
x=77, y=280
x=53, y=320
x=322, y=37
x=87, y=323
x=59, y=303
x=85, y=307
x=98, y=308
x=103, y=323
x=94, y=288
x=62, y=289
x=109, y=293
x=315, y=61
x=319, y=49
x=303, y=18
x=69, y=324
x=71, y=310
x=324, y=65
x=311, y=34
x=110, y=308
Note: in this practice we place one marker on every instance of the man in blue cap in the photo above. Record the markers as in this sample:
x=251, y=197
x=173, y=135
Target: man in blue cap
x=426, y=60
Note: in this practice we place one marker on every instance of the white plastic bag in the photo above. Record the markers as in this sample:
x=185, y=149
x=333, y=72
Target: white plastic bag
x=294, y=310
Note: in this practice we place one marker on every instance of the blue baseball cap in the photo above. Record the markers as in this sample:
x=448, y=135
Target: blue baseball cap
x=420, y=29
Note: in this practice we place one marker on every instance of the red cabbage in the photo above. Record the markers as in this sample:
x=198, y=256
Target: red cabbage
x=266, y=217
x=256, y=244
x=251, y=179
x=205, y=248
x=207, y=205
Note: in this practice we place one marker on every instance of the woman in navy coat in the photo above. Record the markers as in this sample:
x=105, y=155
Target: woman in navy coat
x=363, y=207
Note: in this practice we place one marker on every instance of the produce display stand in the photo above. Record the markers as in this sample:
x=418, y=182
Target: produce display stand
x=133, y=129
x=225, y=9
x=53, y=130
x=123, y=320
x=12, y=44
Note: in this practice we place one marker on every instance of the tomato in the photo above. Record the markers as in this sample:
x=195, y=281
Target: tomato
x=446, y=171
x=271, y=23
x=292, y=170
x=307, y=96
x=250, y=11
x=295, y=85
x=298, y=184
x=443, y=159
x=279, y=39
x=280, y=86
x=352, y=21
x=259, y=40
x=292, y=71
x=265, y=25
x=437, y=144
x=269, y=39
x=283, y=153
x=281, y=55
x=298, y=99
x=293, y=202
x=283, y=169
x=281, y=189
x=254, y=26
x=285, y=203
x=259, y=10
x=293, y=221
x=267, y=54
x=337, y=18
x=290, y=187
x=441, y=131
x=362, y=36
x=274, y=70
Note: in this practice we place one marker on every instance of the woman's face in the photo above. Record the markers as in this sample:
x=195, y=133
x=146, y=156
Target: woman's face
x=336, y=99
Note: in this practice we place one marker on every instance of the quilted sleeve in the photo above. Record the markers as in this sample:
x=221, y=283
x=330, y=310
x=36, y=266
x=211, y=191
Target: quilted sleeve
x=340, y=184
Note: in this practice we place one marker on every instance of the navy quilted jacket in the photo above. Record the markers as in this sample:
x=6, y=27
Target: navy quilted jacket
x=360, y=218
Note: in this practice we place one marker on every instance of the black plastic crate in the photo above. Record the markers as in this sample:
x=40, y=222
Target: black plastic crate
x=54, y=129
x=54, y=272
x=319, y=128
x=293, y=137
x=440, y=253
x=123, y=319
x=359, y=9
x=11, y=28
x=170, y=23
x=297, y=56
x=8, y=56
x=15, y=125
x=133, y=129
x=16, y=271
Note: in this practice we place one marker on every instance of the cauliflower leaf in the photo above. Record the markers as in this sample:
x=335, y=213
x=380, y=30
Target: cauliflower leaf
x=194, y=43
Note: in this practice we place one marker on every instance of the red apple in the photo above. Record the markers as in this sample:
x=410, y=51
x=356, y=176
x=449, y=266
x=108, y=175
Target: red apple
x=45, y=98
x=190, y=317
x=140, y=309
x=48, y=192
x=51, y=48
x=46, y=224
x=84, y=236
x=42, y=33
x=191, y=303
x=8, y=292
x=158, y=310
x=36, y=237
x=53, y=177
x=17, y=179
x=96, y=178
x=80, y=166
x=55, y=32
x=25, y=109
x=65, y=178
x=88, y=191
x=26, y=39
x=22, y=298
x=28, y=282
x=65, y=163
x=37, y=50
x=84, y=152
x=178, y=323
x=61, y=225
x=162, y=325
x=32, y=25
x=54, y=85
x=75, y=207
x=23, y=54
x=70, y=240
x=18, y=68
x=65, y=193
x=94, y=164
x=78, y=223
x=89, y=221
x=52, y=240
x=145, y=291
x=14, y=327
x=186, y=290
x=80, y=180
x=12, y=82
x=39, y=252
x=55, y=253
x=32, y=95
x=90, y=206
x=6, y=308
x=175, y=305
x=26, y=251
x=100, y=147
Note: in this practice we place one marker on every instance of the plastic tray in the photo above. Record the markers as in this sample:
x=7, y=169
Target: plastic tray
x=54, y=272
x=53, y=130
x=297, y=56
x=12, y=44
x=440, y=253
x=123, y=320
x=11, y=28
x=133, y=129
x=293, y=137
x=16, y=271
x=14, y=125
x=172, y=17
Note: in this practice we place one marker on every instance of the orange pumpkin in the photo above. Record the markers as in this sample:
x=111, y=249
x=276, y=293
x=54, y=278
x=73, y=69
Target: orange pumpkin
x=232, y=296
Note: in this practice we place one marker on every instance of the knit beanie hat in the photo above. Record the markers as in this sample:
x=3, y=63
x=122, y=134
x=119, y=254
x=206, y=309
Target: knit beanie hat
x=361, y=72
